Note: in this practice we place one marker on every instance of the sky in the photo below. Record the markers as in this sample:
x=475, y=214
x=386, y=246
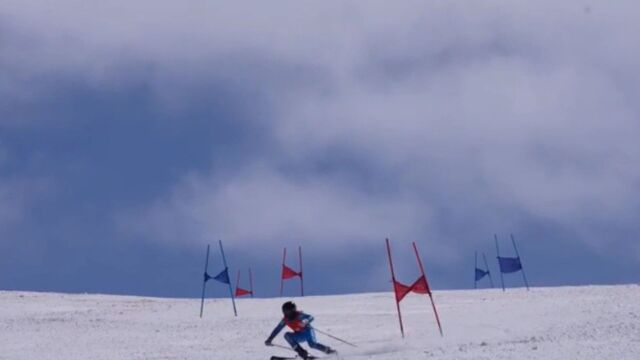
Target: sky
x=133, y=134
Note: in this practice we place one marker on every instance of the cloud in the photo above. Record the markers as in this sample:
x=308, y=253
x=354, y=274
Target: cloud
x=259, y=207
x=440, y=122
x=18, y=197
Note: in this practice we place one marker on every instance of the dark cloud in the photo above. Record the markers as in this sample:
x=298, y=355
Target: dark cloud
x=333, y=126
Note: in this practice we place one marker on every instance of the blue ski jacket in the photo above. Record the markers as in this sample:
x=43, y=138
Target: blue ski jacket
x=298, y=324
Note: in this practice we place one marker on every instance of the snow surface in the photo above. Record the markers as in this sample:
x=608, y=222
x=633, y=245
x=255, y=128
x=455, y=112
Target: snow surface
x=593, y=322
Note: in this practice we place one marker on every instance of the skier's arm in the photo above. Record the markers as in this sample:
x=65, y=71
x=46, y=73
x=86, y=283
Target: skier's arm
x=275, y=332
x=306, y=319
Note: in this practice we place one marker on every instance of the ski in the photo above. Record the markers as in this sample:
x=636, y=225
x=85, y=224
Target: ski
x=292, y=358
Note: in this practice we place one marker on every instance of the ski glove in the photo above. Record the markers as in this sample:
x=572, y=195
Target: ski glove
x=268, y=342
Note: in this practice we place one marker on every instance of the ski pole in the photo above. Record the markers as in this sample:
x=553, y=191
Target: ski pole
x=334, y=337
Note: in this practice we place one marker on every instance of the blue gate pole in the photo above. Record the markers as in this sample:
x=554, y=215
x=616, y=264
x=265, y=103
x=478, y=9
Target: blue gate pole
x=524, y=276
x=475, y=280
x=224, y=260
x=486, y=264
x=204, y=281
x=499, y=267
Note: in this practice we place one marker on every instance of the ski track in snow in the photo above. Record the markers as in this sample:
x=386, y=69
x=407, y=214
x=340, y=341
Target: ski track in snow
x=590, y=322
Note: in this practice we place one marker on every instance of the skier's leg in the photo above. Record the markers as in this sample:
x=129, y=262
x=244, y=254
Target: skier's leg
x=319, y=347
x=294, y=340
x=311, y=340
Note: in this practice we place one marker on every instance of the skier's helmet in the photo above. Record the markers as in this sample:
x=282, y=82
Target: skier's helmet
x=289, y=310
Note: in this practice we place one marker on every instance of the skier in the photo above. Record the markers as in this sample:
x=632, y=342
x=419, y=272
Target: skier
x=299, y=322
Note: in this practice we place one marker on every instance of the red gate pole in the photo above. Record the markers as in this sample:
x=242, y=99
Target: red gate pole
x=251, y=282
x=433, y=304
x=238, y=281
x=393, y=278
x=301, y=275
x=284, y=257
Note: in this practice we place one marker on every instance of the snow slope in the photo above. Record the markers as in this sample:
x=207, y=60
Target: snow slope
x=591, y=322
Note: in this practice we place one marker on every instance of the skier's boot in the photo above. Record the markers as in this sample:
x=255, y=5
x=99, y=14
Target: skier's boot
x=302, y=352
x=330, y=351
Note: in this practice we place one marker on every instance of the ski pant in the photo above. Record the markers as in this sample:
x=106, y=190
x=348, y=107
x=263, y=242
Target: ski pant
x=307, y=335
